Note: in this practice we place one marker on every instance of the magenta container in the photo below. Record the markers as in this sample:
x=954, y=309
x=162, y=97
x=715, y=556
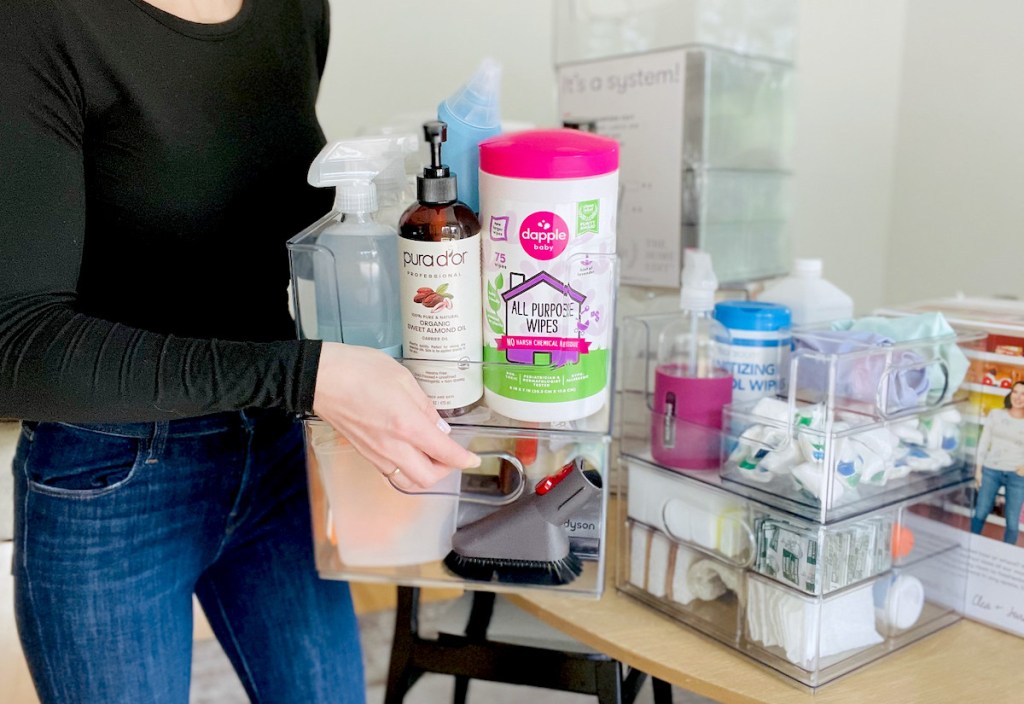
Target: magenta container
x=686, y=419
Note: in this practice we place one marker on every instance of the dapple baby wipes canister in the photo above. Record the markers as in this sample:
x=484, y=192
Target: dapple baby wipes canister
x=547, y=206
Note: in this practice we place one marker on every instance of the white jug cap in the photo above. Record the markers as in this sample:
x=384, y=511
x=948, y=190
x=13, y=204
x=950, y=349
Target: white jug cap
x=807, y=267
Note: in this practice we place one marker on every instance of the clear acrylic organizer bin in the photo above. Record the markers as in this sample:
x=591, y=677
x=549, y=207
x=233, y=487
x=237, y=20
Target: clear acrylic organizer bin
x=736, y=73
x=537, y=504
x=647, y=431
x=592, y=29
x=686, y=85
x=853, y=430
x=740, y=218
x=738, y=112
x=748, y=250
x=809, y=600
x=533, y=515
x=718, y=196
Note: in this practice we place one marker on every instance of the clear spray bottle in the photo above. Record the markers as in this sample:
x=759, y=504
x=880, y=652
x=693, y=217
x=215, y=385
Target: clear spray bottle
x=345, y=266
x=690, y=386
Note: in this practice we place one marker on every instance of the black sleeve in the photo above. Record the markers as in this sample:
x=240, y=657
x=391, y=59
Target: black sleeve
x=323, y=38
x=56, y=363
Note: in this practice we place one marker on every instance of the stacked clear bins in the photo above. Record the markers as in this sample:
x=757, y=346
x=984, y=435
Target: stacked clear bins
x=531, y=517
x=812, y=589
x=859, y=425
x=702, y=95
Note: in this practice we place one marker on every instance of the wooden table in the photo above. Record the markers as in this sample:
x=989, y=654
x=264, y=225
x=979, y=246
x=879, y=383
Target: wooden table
x=963, y=664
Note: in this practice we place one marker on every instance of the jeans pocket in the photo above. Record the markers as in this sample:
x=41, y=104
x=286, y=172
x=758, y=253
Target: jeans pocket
x=73, y=462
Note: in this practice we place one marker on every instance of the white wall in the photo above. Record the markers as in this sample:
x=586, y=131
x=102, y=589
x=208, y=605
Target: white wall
x=400, y=58
x=958, y=198
x=848, y=86
x=909, y=156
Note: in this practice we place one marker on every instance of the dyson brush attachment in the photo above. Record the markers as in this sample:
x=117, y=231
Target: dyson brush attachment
x=526, y=541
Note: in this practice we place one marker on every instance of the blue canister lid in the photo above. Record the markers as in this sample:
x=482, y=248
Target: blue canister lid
x=752, y=315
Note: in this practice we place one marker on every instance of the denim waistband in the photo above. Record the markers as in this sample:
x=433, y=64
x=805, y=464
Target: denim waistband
x=196, y=425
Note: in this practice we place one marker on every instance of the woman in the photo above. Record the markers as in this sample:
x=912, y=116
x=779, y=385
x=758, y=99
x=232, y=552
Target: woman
x=154, y=156
x=1000, y=463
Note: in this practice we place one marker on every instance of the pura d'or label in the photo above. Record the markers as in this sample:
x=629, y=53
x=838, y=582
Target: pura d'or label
x=440, y=289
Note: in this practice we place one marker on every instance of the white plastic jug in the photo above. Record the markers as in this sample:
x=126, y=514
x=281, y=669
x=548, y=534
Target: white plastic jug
x=810, y=298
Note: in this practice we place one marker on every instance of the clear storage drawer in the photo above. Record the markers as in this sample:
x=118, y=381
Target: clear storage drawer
x=532, y=516
x=812, y=601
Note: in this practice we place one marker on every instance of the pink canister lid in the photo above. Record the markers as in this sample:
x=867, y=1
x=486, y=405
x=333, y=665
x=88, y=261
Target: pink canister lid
x=550, y=153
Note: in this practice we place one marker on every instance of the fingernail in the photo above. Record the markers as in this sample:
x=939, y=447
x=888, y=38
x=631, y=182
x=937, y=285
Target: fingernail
x=443, y=427
x=476, y=462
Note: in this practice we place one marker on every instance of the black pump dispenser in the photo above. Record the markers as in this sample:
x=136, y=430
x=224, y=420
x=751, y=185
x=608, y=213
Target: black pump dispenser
x=437, y=185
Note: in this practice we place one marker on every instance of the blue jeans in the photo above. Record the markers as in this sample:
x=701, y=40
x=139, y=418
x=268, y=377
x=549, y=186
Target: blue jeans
x=117, y=525
x=991, y=480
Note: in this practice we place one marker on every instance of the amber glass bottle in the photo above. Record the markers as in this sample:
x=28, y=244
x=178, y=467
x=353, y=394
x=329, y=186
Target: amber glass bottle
x=439, y=253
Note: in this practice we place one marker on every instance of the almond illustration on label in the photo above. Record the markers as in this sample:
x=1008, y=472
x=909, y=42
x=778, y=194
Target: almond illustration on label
x=435, y=300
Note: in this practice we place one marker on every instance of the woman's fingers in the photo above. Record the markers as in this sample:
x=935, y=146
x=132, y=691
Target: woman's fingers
x=416, y=469
x=376, y=403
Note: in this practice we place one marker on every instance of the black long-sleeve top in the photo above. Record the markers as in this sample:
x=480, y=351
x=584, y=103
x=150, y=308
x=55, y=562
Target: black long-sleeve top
x=151, y=170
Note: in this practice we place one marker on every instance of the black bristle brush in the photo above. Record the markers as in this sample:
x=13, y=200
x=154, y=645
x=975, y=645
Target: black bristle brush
x=526, y=541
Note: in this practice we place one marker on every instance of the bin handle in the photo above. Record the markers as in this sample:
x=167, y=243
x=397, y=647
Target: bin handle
x=882, y=390
x=728, y=516
x=504, y=501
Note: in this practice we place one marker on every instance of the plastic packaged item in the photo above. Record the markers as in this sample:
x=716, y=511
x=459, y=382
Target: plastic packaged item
x=757, y=351
x=372, y=523
x=826, y=465
x=707, y=518
x=810, y=298
x=690, y=386
x=820, y=560
x=345, y=266
x=440, y=286
x=472, y=114
x=548, y=201
x=806, y=630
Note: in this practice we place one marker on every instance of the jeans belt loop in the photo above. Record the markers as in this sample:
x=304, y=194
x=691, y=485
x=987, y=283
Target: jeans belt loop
x=157, y=441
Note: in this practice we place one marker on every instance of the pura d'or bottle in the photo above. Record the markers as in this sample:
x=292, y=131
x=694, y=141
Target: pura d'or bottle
x=439, y=275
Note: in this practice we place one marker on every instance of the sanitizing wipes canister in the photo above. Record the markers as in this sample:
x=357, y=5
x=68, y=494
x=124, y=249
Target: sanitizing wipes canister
x=757, y=351
x=547, y=208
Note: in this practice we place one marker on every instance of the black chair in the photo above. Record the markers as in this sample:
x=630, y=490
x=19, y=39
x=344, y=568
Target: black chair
x=569, y=666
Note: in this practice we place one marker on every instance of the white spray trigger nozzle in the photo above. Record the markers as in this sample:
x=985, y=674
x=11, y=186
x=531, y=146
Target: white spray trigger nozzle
x=352, y=165
x=699, y=282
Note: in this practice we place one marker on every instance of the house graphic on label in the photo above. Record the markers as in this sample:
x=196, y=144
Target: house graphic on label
x=526, y=343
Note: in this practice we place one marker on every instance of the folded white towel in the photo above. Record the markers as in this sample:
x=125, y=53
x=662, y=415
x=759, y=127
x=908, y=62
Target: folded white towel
x=639, y=539
x=657, y=564
x=680, y=569
x=709, y=579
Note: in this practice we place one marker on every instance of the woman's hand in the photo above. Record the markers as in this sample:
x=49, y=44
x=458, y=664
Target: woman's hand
x=1020, y=470
x=377, y=405
x=977, y=477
